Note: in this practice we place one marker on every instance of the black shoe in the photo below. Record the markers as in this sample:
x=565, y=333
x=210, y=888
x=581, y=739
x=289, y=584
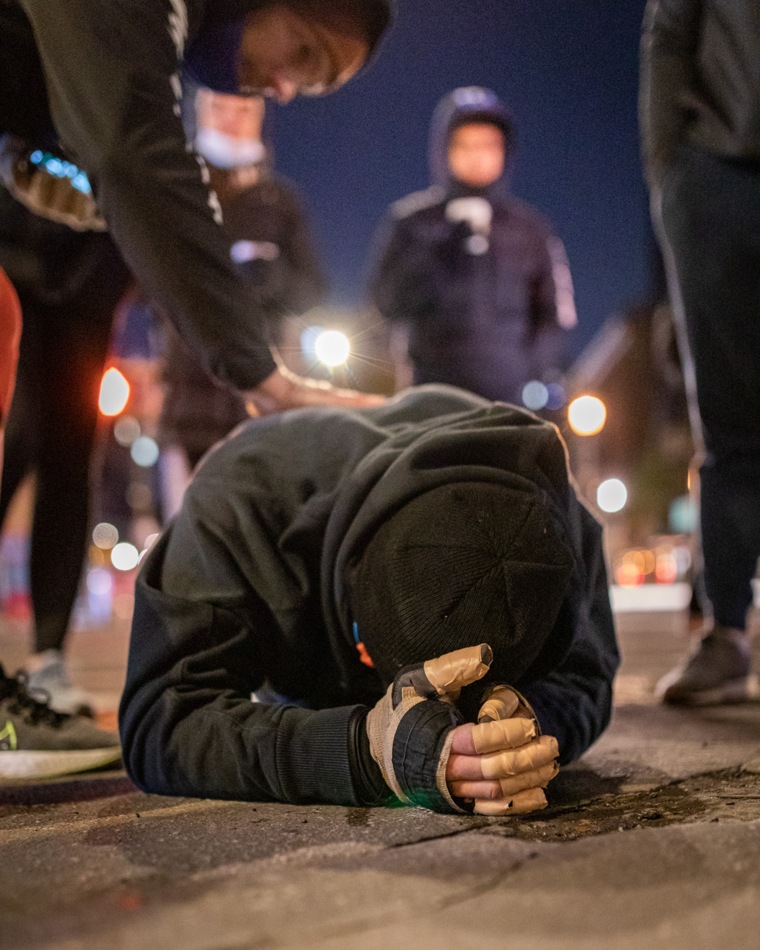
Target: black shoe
x=716, y=674
x=37, y=742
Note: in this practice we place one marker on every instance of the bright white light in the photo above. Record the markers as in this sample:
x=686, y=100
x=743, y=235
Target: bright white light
x=144, y=451
x=114, y=392
x=126, y=430
x=104, y=536
x=535, y=395
x=611, y=495
x=125, y=556
x=332, y=348
x=586, y=415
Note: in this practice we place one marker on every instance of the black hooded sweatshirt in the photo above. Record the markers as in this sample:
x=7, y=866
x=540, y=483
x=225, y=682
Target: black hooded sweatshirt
x=101, y=80
x=245, y=589
x=489, y=314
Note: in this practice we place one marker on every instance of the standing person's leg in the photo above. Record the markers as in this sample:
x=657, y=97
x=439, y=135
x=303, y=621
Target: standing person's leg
x=76, y=346
x=711, y=218
x=21, y=449
x=37, y=742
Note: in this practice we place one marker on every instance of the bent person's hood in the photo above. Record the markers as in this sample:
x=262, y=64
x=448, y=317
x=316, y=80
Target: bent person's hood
x=466, y=440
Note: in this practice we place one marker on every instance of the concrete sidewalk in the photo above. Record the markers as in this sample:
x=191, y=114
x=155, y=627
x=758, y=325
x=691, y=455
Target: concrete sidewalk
x=652, y=840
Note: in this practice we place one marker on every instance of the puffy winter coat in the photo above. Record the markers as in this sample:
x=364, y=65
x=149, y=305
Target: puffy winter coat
x=486, y=306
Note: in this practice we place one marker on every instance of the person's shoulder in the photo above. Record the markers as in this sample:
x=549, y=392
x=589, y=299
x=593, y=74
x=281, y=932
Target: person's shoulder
x=418, y=202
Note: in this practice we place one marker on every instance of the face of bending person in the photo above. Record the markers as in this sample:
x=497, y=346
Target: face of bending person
x=285, y=53
x=477, y=154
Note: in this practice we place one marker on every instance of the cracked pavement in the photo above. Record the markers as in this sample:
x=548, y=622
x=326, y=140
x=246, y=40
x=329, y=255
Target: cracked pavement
x=651, y=840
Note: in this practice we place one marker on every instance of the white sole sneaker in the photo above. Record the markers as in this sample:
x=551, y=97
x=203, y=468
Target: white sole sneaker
x=16, y=764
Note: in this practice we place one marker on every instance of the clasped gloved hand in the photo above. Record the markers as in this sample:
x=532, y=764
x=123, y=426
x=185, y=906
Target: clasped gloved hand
x=503, y=764
x=428, y=756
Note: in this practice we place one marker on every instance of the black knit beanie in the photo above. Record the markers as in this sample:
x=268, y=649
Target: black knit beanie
x=462, y=564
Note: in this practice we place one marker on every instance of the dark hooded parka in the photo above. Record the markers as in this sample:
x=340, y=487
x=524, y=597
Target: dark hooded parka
x=485, y=311
x=247, y=588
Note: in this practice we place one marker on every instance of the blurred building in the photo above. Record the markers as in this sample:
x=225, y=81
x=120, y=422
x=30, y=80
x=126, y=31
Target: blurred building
x=632, y=366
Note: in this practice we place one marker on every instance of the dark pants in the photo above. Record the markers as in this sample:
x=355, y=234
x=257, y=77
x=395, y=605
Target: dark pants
x=711, y=221
x=51, y=430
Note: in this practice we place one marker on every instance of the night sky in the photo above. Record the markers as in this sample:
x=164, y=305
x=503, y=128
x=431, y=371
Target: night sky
x=568, y=69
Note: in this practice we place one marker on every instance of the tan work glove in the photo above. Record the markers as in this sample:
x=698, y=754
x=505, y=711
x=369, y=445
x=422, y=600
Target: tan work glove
x=503, y=763
x=411, y=728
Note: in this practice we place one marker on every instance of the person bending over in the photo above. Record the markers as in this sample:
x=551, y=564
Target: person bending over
x=345, y=591
x=68, y=136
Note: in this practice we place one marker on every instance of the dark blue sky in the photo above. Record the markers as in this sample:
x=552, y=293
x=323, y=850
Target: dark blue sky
x=567, y=69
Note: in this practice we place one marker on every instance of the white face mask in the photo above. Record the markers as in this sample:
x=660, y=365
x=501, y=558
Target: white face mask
x=224, y=151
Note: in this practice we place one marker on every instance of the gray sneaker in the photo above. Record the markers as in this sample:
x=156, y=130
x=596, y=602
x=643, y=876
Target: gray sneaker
x=52, y=680
x=718, y=672
x=36, y=742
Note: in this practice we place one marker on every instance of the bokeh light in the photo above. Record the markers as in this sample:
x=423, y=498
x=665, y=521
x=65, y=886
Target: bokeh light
x=632, y=568
x=125, y=430
x=535, y=395
x=628, y=574
x=666, y=567
x=99, y=582
x=611, y=495
x=144, y=451
x=114, y=392
x=586, y=415
x=105, y=536
x=125, y=556
x=332, y=348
